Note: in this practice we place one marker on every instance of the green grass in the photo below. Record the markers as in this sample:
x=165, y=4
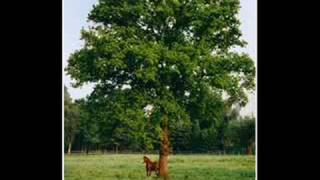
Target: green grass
x=129, y=166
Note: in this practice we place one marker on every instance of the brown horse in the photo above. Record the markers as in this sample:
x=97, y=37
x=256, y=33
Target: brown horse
x=151, y=166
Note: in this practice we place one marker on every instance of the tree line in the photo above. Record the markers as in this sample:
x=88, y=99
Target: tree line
x=108, y=126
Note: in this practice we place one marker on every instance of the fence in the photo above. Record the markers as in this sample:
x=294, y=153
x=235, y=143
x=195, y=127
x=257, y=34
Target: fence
x=226, y=151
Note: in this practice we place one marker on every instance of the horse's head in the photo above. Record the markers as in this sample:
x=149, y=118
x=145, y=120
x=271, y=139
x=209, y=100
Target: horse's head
x=145, y=159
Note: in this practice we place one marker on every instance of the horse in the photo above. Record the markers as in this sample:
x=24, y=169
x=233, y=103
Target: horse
x=151, y=166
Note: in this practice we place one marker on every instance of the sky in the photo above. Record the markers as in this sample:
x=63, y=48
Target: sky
x=75, y=14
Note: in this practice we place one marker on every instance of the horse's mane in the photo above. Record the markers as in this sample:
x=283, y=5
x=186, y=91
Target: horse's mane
x=148, y=159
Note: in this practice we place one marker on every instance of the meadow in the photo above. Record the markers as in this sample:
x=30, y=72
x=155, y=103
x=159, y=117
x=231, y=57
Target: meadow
x=181, y=167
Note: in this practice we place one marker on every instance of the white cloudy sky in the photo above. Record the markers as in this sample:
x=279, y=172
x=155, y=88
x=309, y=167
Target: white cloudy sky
x=75, y=17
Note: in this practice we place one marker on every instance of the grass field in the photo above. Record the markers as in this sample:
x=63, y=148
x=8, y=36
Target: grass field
x=129, y=166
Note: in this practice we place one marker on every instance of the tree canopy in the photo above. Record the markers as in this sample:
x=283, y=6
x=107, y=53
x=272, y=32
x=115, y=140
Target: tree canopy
x=164, y=52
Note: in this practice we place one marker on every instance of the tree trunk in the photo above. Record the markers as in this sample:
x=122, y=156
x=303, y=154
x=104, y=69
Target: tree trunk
x=69, y=148
x=221, y=138
x=164, y=150
x=250, y=148
x=87, y=150
x=116, y=149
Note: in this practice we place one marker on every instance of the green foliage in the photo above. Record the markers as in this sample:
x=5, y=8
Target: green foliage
x=67, y=98
x=241, y=133
x=71, y=118
x=112, y=124
x=135, y=131
x=181, y=136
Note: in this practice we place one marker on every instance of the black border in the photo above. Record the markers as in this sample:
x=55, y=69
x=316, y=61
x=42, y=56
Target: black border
x=35, y=90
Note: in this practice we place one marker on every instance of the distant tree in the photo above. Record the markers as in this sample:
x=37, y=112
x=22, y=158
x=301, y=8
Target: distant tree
x=247, y=134
x=229, y=114
x=206, y=111
x=196, y=134
x=89, y=130
x=67, y=97
x=181, y=136
x=166, y=52
x=71, y=120
x=241, y=133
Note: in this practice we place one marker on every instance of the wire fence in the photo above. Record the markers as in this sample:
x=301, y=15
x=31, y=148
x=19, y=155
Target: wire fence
x=226, y=151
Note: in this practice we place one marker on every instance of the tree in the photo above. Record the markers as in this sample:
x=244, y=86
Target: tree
x=114, y=124
x=164, y=53
x=206, y=111
x=241, y=133
x=247, y=133
x=71, y=119
x=229, y=114
x=181, y=136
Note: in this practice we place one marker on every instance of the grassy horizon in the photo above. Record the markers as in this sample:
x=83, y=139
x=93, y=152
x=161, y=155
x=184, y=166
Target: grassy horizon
x=130, y=167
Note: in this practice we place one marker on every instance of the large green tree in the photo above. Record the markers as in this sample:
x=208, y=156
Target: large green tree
x=164, y=53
